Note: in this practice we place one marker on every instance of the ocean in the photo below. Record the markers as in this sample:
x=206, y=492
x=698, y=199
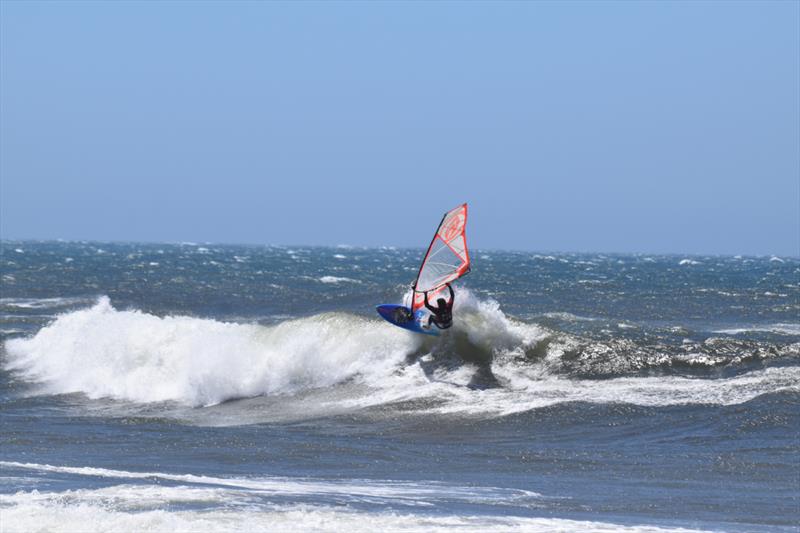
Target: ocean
x=206, y=387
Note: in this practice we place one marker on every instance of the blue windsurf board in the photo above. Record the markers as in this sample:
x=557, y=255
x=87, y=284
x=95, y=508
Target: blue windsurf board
x=401, y=316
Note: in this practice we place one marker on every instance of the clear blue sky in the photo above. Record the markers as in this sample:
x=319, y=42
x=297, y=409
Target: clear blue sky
x=619, y=127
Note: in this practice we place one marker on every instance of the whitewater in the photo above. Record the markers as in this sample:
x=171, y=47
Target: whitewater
x=135, y=356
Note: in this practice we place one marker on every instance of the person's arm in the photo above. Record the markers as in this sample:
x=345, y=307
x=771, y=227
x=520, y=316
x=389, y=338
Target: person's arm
x=452, y=298
x=428, y=305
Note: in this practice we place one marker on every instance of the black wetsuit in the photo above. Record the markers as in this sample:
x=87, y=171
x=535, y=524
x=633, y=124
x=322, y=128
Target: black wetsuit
x=443, y=315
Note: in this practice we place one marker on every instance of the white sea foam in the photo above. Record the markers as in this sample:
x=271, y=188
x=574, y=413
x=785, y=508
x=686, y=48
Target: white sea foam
x=230, y=504
x=592, y=281
x=135, y=508
x=529, y=388
x=43, y=303
x=535, y=393
x=688, y=262
x=784, y=329
x=402, y=492
x=335, y=279
x=562, y=315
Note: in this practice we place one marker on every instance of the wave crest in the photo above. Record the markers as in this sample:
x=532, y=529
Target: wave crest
x=132, y=355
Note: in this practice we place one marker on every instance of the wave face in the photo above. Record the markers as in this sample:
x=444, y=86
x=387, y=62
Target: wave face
x=489, y=363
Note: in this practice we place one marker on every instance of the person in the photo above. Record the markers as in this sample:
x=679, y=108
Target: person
x=442, y=314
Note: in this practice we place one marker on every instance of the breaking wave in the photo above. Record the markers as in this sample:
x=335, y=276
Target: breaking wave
x=135, y=356
x=489, y=363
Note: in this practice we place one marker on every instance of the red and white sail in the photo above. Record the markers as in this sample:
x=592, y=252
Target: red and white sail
x=447, y=258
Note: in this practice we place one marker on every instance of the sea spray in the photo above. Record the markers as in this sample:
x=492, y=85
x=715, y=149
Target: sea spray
x=135, y=356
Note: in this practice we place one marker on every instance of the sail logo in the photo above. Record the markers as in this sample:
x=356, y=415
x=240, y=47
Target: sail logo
x=453, y=227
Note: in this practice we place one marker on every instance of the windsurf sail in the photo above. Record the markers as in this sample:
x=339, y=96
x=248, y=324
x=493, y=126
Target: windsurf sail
x=447, y=258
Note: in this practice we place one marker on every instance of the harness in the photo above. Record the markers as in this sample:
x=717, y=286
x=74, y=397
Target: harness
x=443, y=318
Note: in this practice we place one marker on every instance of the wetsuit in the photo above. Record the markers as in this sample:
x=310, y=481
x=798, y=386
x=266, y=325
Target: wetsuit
x=443, y=315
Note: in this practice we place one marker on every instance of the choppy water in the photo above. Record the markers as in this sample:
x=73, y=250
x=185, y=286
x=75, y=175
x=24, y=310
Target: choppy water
x=217, y=388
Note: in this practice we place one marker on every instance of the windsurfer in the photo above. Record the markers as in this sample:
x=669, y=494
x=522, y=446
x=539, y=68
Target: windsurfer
x=442, y=313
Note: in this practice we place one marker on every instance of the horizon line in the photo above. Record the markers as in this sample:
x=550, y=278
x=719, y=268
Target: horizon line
x=4, y=240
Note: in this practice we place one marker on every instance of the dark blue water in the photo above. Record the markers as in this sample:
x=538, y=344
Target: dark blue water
x=217, y=388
